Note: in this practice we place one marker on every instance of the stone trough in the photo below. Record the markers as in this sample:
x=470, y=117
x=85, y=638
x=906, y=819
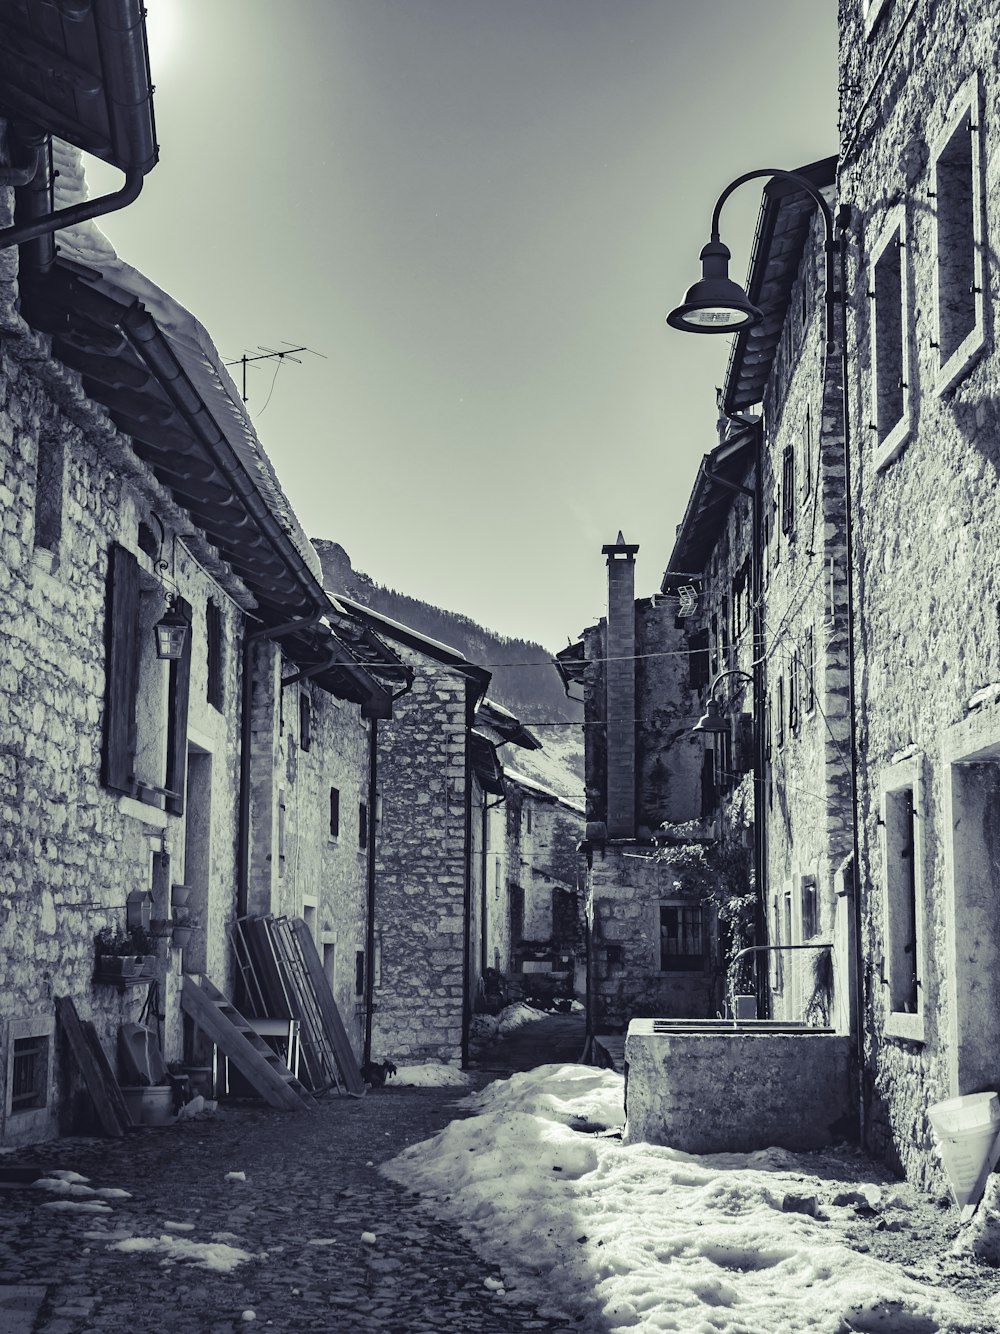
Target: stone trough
x=718, y=1085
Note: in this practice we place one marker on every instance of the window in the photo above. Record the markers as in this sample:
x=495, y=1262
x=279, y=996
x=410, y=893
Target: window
x=698, y=674
x=902, y=882
x=809, y=665
x=682, y=948
x=959, y=240
x=29, y=1074
x=527, y=814
x=334, y=812
x=215, y=691
x=362, y=825
x=359, y=972
x=788, y=491
x=807, y=458
x=794, y=688
x=50, y=475
x=779, y=713
x=741, y=599
x=146, y=698
x=810, y=907
x=305, y=721
x=890, y=347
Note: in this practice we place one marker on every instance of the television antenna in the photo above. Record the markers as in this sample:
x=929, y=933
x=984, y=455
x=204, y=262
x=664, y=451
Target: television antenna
x=269, y=354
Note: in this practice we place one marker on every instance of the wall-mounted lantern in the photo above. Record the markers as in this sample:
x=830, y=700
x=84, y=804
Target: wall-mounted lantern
x=170, y=631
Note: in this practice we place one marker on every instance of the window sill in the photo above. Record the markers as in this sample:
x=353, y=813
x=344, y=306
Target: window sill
x=962, y=359
x=892, y=446
x=139, y=810
x=875, y=10
x=905, y=1027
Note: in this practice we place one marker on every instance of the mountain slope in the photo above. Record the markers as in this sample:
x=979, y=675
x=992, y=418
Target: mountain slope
x=524, y=679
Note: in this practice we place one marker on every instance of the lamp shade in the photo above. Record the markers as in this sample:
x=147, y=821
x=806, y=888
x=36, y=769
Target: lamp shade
x=714, y=304
x=712, y=722
x=170, y=632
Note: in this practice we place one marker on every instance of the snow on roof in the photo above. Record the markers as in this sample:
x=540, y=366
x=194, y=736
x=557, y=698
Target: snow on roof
x=522, y=780
x=86, y=244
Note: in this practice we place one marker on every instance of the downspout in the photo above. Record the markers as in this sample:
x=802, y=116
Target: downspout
x=470, y=717
x=246, y=734
x=843, y=219
x=75, y=213
x=370, y=918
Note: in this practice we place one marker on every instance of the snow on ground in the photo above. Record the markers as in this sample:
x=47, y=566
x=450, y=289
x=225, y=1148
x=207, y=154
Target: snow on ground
x=216, y=1255
x=488, y=1027
x=633, y=1236
x=433, y=1074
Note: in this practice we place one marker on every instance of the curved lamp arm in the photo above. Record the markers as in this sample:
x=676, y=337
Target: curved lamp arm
x=732, y=671
x=803, y=183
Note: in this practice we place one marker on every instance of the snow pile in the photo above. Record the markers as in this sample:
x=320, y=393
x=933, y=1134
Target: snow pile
x=433, y=1074
x=649, y=1237
x=513, y=1017
x=217, y=1255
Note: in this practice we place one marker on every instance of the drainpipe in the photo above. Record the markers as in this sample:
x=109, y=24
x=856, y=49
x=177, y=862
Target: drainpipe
x=844, y=219
x=370, y=921
x=243, y=808
x=75, y=213
x=470, y=717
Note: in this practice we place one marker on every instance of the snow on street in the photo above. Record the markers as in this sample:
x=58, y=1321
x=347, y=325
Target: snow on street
x=626, y=1236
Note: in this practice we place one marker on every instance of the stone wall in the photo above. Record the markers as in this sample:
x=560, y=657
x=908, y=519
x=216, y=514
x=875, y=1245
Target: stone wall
x=316, y=861
x=626, y=886
x=421, y=866
x=807, y=772
x=928, y=563
x=71, y=849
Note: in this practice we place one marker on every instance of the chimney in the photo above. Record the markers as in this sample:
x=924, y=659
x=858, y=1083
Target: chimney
x=620, y=678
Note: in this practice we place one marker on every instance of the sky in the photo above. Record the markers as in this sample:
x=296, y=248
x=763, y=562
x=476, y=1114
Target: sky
x=476, y=215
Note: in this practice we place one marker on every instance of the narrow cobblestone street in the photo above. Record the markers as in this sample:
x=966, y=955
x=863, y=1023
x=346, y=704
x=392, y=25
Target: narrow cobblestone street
x=312, y=1189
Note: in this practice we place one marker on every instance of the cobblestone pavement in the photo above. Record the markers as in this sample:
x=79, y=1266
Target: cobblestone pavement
x=311, y=1191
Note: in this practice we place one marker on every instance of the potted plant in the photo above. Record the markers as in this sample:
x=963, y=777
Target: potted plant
x=122, y=954
x=184, y=925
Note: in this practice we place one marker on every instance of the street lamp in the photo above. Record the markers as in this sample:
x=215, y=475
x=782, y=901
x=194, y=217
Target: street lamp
x=716, y=304
x=712, y=722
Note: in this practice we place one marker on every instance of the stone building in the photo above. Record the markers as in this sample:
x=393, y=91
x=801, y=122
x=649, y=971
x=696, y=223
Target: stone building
x=652, y=948
x=548, y=928
x=768, y=559
x=137, y=498
x=441, y=911
x=920, y=118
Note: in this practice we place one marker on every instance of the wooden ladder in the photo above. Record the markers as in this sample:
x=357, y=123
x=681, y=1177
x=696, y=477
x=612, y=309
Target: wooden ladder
x=220, y=1020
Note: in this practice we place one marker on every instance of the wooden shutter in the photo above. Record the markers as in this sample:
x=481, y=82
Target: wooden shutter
x=213, y=630
x=122, y=631
x=177, y=718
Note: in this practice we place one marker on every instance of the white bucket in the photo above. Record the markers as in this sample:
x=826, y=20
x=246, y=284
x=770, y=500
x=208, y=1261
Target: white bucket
x=966, y=1129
